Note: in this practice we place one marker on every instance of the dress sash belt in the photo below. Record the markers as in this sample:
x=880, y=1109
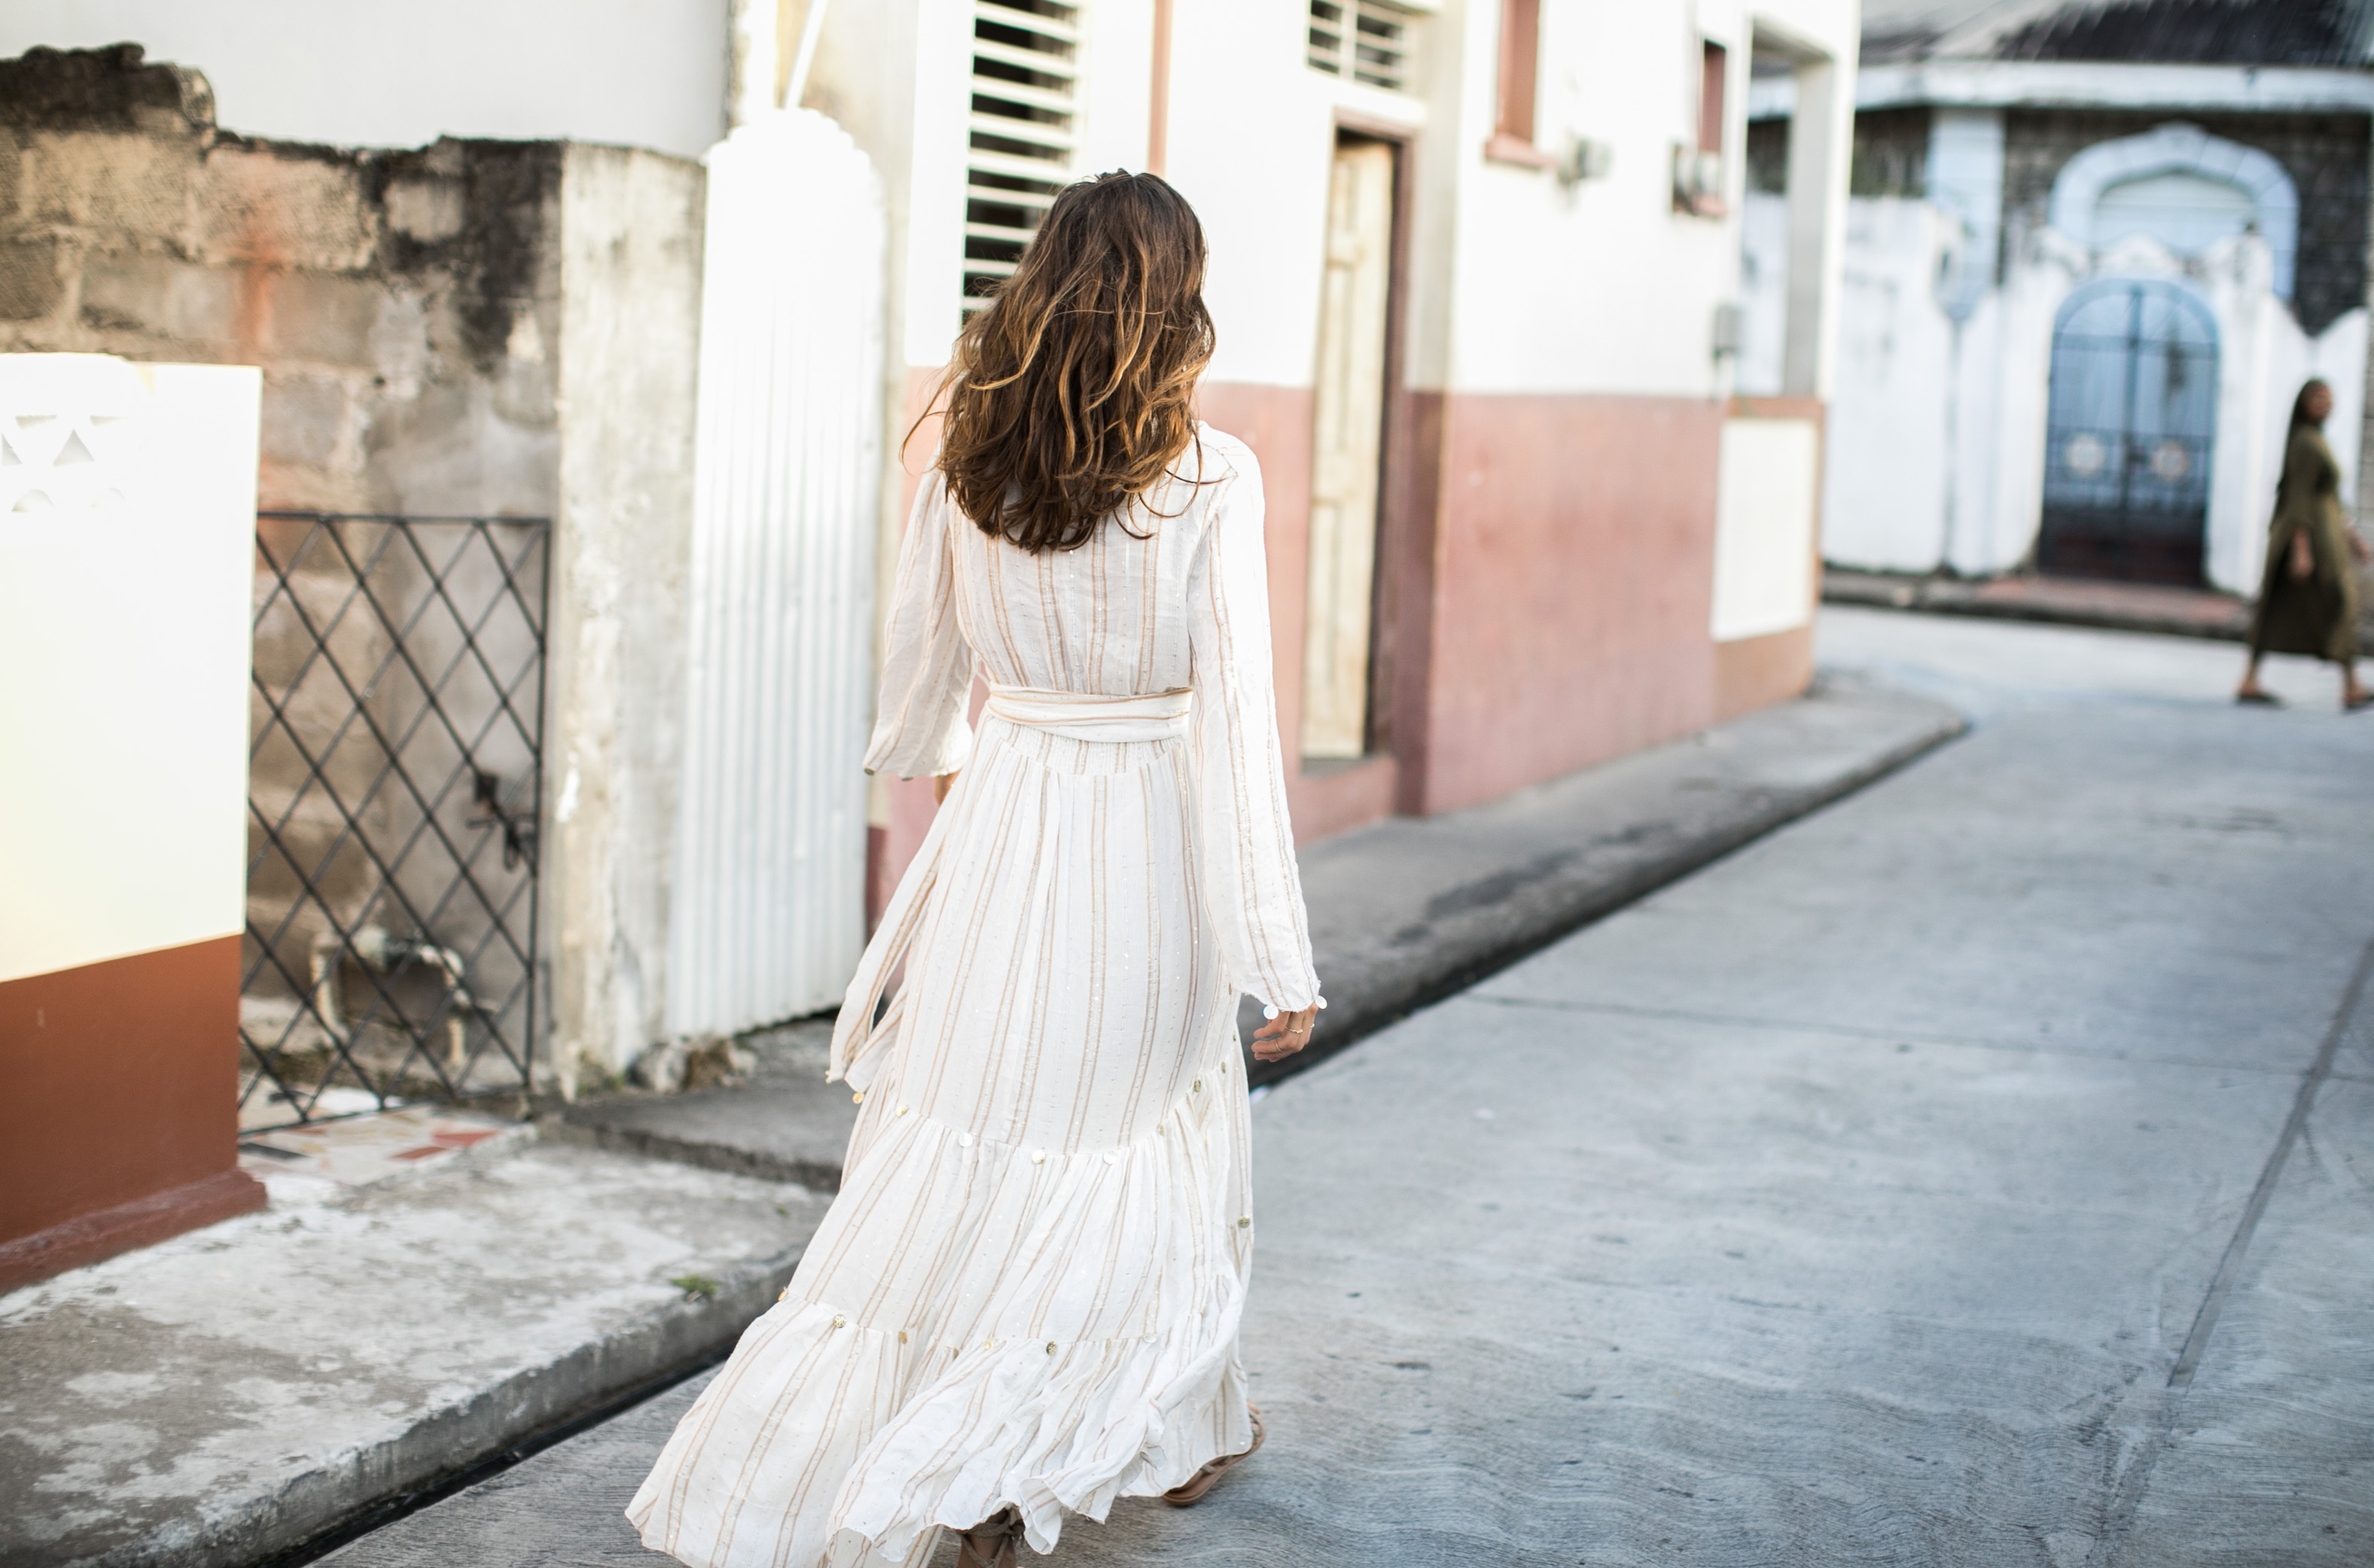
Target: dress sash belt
x=1075, y=716
x=1081, y=715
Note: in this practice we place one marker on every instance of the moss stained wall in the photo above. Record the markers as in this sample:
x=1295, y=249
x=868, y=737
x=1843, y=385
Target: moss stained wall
x=404, y=306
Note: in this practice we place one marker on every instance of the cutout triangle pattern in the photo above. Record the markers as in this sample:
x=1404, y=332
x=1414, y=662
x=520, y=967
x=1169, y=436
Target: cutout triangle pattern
x=63, y=464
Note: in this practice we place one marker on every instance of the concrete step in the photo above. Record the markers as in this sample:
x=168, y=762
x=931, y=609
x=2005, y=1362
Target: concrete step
x=233, y=1393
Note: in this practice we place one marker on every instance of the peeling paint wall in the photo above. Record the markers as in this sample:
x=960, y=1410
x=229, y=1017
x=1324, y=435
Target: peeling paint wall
x=630, y=259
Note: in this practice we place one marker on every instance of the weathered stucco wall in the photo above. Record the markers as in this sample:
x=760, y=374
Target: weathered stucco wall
x=402, y=304
x=629, y=259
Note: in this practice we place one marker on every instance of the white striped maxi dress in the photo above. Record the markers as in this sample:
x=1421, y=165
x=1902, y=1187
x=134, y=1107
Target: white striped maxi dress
x=1028, y=1291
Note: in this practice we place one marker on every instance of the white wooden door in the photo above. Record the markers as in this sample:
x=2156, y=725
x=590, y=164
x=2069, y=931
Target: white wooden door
x=1349, y=420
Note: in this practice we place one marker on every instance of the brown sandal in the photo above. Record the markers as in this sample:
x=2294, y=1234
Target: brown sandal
x=1191, y=1492
x=992, y=1543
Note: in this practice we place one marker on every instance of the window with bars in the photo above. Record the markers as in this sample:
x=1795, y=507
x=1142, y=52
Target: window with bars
x=1361, y=40
x=1026, y=92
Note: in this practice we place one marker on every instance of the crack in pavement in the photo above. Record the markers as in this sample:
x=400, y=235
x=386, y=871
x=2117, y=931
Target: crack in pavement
x=2120, y=1515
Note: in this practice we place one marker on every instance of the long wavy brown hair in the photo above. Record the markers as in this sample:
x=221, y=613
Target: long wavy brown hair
x=1073, y=393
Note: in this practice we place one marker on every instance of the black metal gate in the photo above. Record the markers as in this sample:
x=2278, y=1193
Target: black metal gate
x=2133, y=412
x=395, y=774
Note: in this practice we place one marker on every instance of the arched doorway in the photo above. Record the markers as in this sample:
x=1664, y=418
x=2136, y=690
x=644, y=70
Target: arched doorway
x=2133, y=413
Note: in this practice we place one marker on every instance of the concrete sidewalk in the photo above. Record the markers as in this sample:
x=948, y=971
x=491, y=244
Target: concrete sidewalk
x=235, y=1393
x=2073, y=601
x=2064, y=601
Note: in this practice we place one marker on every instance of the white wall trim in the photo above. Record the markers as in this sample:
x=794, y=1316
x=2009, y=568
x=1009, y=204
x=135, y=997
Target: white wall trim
x=2049, y=84
x=2180, y=147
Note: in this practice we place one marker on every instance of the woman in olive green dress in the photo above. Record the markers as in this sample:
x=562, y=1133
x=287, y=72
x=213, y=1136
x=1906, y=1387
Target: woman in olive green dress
x=2308, y=600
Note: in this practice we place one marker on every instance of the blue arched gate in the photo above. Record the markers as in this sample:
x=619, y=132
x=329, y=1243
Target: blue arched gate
x=2133, y=413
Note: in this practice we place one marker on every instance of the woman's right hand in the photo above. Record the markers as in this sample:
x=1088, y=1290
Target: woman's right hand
x=1285, y=1035
x=2303, y=561
x=941, y=784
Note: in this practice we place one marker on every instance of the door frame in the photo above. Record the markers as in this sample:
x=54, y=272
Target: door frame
x=1389, y=594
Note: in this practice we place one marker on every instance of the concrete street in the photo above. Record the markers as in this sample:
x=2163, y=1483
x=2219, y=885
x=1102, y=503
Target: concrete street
x=238, y=1392
x=1888, y=1192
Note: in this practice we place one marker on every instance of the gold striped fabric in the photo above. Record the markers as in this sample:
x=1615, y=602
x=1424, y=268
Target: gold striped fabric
x=1026, y=1293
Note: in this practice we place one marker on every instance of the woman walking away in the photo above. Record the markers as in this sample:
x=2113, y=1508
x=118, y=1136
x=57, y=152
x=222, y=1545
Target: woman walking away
x=1024, y=1301
x=2308, y=600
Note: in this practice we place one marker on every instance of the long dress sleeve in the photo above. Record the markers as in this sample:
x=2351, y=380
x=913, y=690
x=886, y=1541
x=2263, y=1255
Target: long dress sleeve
x=920, y=725
x=1252, y=891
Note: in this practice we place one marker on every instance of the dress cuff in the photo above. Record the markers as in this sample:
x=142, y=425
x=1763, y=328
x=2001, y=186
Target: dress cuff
x=954, y=750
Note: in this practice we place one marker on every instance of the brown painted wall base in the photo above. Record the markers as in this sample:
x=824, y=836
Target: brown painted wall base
x=1757, y=671
x=120, y=1121
x=93, y=1237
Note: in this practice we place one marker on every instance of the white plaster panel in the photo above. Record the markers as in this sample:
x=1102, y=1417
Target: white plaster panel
x=2032, y=296
x=640, y=73
x=1763, y=293
x=1883, y=492
x=1764, y=528
x=127, y=555
x=1965, y=173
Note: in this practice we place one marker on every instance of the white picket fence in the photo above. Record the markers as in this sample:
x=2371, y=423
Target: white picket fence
x=768, y=913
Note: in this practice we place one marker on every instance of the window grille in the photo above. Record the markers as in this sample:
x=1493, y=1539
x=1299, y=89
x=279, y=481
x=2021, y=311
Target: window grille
x=395, y=784
x=1364, y=41
x=1025, y=91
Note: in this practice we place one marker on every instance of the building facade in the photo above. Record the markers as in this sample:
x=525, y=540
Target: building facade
x=1474, y=268
x=2092, y=253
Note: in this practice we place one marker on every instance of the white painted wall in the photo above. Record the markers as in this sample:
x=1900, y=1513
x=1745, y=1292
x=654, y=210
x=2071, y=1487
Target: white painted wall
x=1764, y=514
x=1916, y=478
x=1250, y=144
x=1514, y=281
x=127, y=560
x=1763, y=293
x=640, y=73
x=1602, y=287
x=1883, y=495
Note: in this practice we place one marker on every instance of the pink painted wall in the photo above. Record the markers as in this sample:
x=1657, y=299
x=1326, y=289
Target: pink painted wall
x=1574, y=567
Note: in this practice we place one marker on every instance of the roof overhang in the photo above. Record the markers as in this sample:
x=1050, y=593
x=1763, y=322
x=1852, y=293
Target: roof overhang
x=2087, y=84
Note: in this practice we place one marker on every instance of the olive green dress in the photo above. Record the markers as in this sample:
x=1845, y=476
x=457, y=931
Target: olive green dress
x=2317, y=614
